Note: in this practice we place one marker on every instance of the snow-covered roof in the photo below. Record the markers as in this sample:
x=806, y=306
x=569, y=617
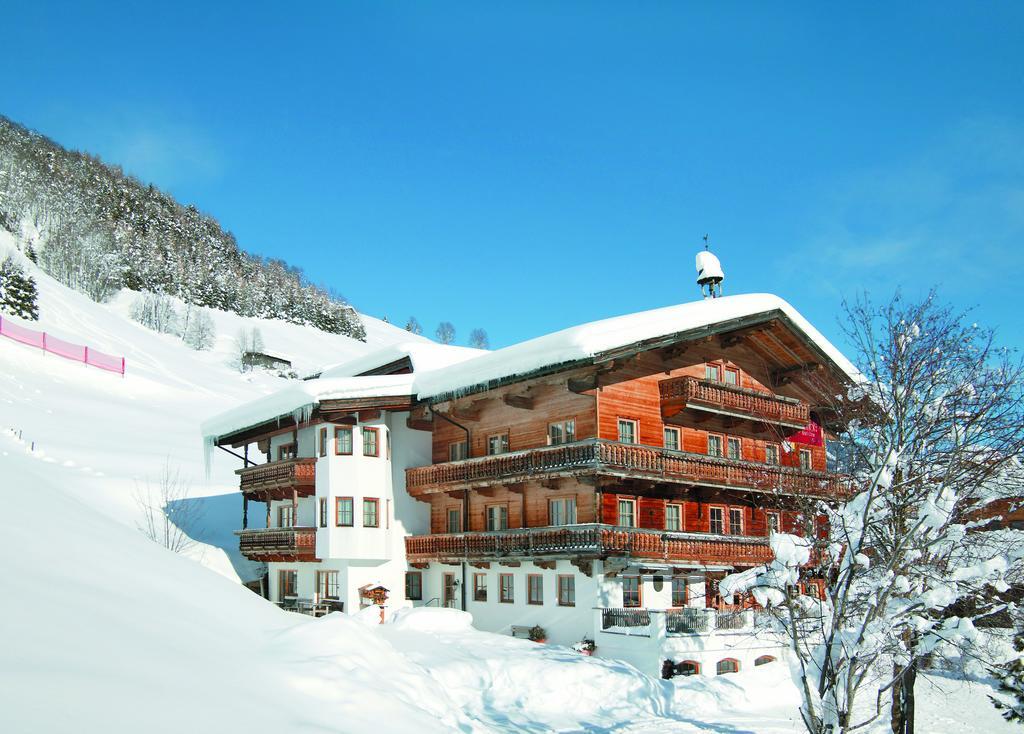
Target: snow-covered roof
x=592, y=339
x=423, y=355
x=444, y=370
x=301, y=397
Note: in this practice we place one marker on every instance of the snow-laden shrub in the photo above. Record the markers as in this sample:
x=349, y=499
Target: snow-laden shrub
x=156, y=312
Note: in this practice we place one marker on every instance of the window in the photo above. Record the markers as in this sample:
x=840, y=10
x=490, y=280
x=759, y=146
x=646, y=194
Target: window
x=371, y=506
x=327, y=584
x=728, y=665
x=343, y=512
x=764, y=660
x=454, y=520
x=343, y=440
x=497, y=517
x=687, y=667
x=457, y=451
x=679, y=595
x=287, y=451
x=630, y=591
x=562, y=511
x=712, y=372
x=497, y=444
x=732, y=376
x=627, y=431
x=627, y=513
x=448, y=590
x=735, y=521
x=287, y=584
x=564, y=432
x=714, y=445
x=506, y=588
x=672, y=439
x=534, y=588
x=805, y=459
x=773, y=521
x=733, y=448
x=771, y=453
x=673, y=517
x=323, y=442
x=716, y=520
x=414, y=585
x=286, y=516
x=370, y=445
x=323, y=512
x=479, y=587
x=567, y=591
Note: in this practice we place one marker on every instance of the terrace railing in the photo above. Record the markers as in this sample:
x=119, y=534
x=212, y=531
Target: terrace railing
x=279, y=475
x=731, y=399
x=602, y=456
x=284, y=542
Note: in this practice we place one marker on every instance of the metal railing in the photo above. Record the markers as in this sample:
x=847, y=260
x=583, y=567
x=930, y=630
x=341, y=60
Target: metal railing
x=600, y=455
x=759, y=405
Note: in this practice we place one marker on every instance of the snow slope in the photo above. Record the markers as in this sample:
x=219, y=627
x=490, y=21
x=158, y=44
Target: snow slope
x=114, y=434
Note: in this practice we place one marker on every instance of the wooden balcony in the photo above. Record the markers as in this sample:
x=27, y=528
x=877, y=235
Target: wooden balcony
x=598, y=456
x=278, y=480
x=682, y=393
x=592, y=540
x=278, y=544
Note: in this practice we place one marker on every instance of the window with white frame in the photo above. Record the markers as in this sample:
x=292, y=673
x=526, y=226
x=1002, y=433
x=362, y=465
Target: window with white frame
x=714, y=445
x=673, y=517
x=733, y=448
x=712, y=372
x=716, y=520
x=627, y=431
x=773, y=521
x=805, y=459
x=627, y=513
x=497, y=517
x=771, y=453
x=454, y=520
x=672, y=439
x=457, y=451
x=286, y=516
x=735, y=521
x=497, y=444
x=732, y=376
x=562, y=511
x=562, y=432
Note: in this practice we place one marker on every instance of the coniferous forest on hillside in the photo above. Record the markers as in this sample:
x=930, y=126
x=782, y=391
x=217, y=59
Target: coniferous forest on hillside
x=97, y=229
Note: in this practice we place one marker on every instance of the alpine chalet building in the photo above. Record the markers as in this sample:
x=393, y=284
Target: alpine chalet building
x=595, y=483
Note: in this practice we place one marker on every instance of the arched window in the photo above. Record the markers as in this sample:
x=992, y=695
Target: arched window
x=687, y=667
x=728, y=665
x=764, y=660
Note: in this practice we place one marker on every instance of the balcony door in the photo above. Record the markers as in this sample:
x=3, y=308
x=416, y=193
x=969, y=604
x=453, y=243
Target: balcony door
x=448, y=591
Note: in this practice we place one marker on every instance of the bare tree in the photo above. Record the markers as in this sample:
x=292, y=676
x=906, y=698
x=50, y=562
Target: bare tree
x=169, y=516
x=200, y=332
x=248, y=342
x=413, y=326
x=933, y=432
x=445, y=332
x=478, y=338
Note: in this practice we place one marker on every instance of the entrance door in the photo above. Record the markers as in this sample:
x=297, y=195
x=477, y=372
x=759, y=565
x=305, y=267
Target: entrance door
x=448, y=592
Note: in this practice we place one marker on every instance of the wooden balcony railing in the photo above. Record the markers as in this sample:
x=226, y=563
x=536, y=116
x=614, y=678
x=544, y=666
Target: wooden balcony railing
x=280, y=477
x=598, y=456
x=590, y=540
x=278, y=544
x=681, y=392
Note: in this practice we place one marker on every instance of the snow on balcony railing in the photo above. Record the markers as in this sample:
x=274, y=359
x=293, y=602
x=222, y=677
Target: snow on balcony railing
x=68, y=350
x=758, y=405
x=596, y=455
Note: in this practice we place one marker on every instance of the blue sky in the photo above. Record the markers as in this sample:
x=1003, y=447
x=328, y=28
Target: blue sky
x=527, y=167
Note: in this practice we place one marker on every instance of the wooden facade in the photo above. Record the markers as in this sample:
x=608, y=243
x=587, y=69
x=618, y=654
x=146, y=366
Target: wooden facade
x=718, y=436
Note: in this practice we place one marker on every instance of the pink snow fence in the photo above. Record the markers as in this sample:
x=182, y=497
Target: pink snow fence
x=48, y=343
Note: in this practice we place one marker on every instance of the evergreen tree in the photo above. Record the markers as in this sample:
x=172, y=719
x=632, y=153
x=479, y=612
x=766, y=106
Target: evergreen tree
x=1011, y=685
x=18, y=293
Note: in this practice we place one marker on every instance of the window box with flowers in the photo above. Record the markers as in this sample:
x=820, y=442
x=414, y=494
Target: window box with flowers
x=538, y=634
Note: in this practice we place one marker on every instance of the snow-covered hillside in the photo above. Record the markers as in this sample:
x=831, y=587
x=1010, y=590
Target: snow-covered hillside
x=102, y=436
x=105, y=631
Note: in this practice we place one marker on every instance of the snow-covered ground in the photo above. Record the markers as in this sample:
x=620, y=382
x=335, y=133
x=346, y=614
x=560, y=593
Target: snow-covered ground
x=105, y=631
